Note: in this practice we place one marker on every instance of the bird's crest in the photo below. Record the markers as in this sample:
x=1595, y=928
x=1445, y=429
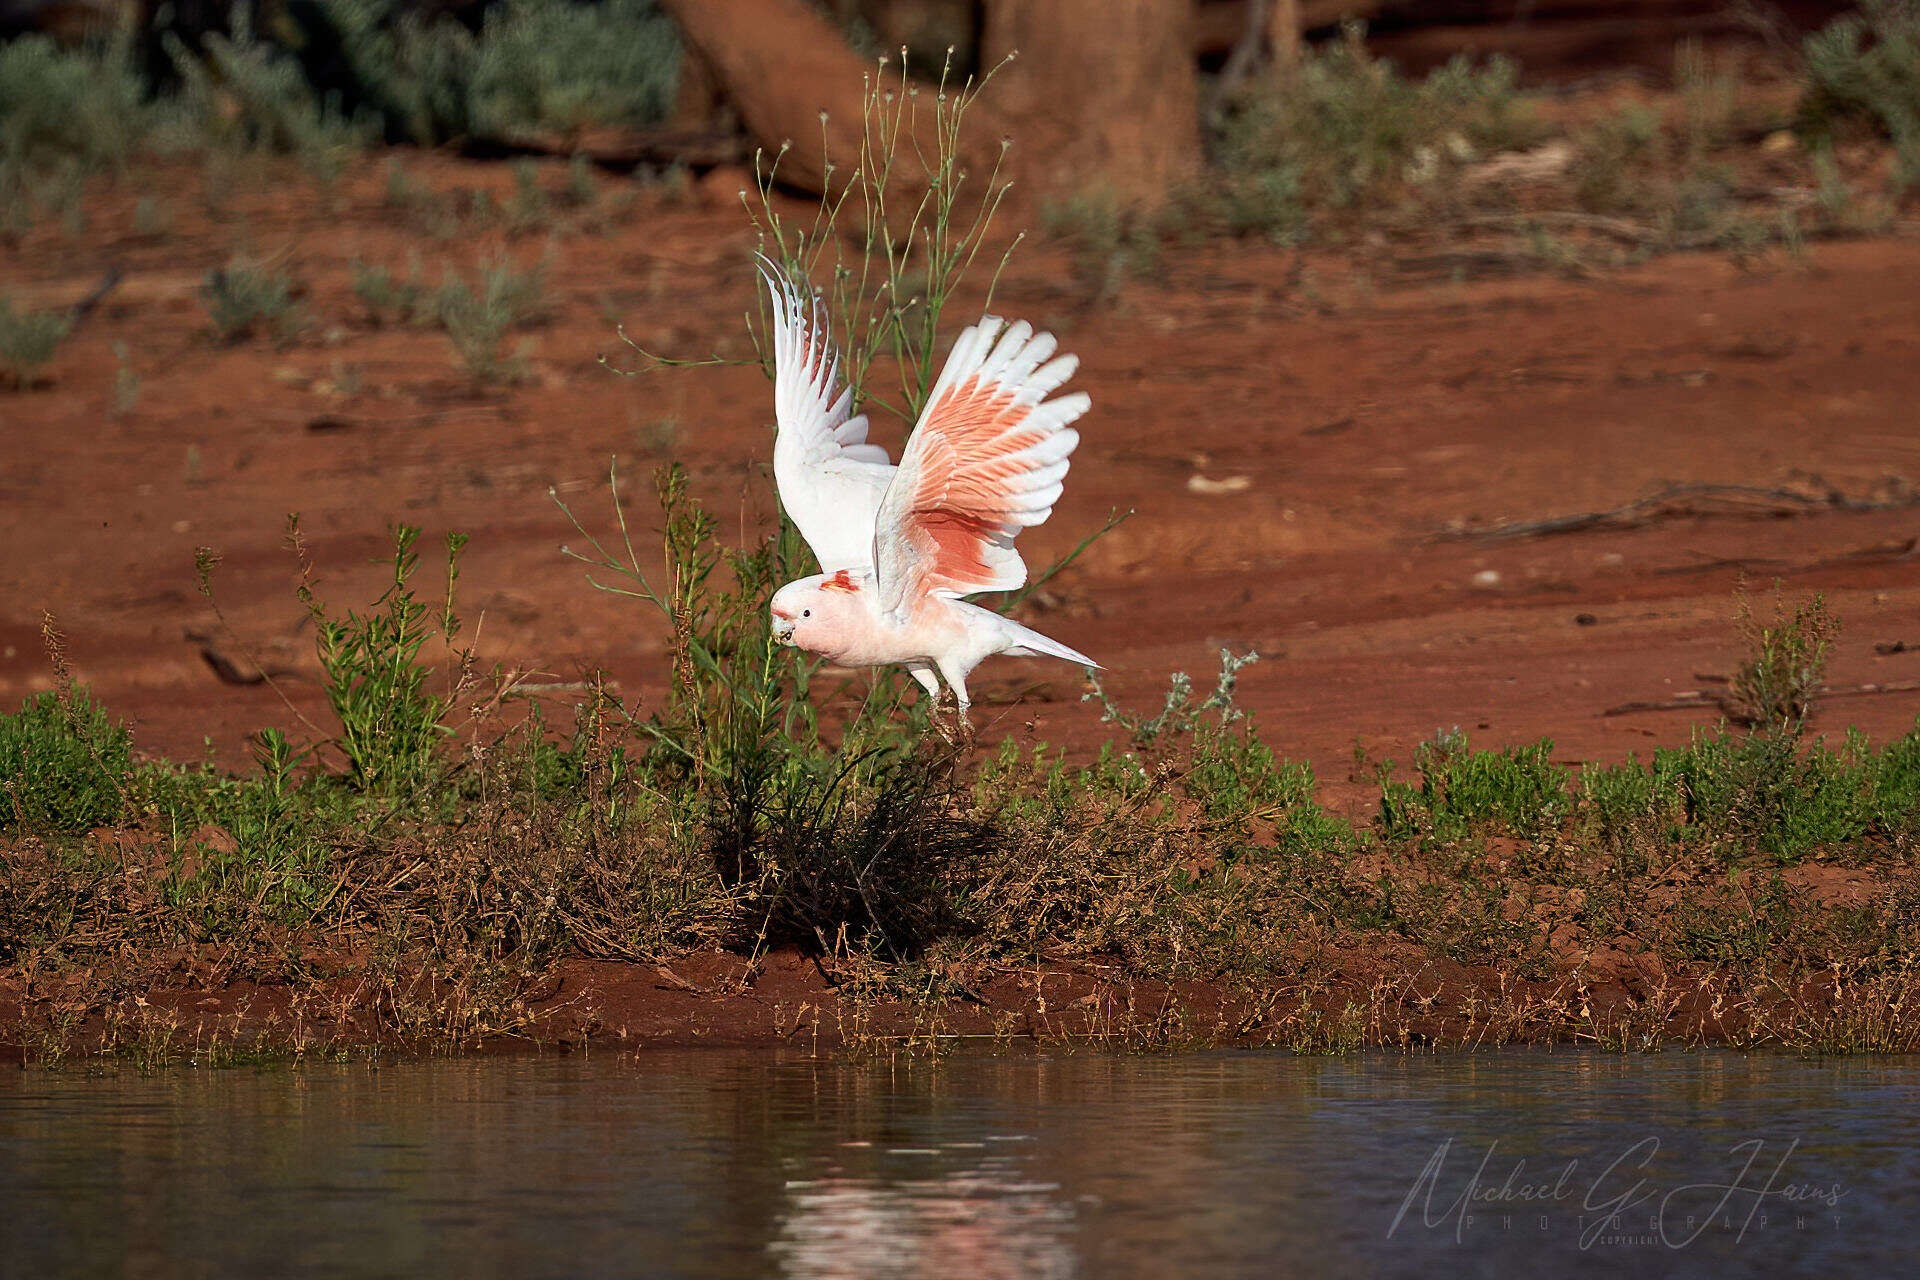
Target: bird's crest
x=841, y=581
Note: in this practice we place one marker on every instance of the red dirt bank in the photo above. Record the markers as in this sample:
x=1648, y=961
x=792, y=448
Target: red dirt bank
x=1291, y=432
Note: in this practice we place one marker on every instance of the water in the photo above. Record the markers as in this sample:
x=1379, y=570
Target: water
x=1219, y=1164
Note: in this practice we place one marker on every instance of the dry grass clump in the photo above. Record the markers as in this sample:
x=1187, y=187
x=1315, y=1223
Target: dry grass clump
x=1462, y=172
x=440, y=913
x=244, y=297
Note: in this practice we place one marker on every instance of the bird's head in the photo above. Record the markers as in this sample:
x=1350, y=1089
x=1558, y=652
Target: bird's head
x=823, y=614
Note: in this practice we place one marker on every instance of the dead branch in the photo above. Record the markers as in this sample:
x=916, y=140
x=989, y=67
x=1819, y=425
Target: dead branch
x=1694, y=699
x=627, y=149
x=1704, y=501
x=1629, y=233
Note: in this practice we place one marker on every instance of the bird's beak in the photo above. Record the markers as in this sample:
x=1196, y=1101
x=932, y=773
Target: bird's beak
x=783, y=630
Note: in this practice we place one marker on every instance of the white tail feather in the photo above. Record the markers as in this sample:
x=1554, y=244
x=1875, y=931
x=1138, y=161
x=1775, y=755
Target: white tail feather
x=1029, y=643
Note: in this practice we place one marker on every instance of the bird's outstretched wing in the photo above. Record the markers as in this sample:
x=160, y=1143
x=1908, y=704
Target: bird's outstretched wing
x=830, y=478
x=986, y=460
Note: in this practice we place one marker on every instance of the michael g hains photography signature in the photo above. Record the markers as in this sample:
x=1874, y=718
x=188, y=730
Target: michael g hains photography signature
x=1618, y=1199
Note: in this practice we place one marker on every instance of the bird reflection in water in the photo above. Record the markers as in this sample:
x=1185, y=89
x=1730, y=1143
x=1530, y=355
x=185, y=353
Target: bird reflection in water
x=980, y=1223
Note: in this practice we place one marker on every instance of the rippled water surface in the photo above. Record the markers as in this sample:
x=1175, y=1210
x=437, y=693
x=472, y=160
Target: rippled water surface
x=1221, y=1164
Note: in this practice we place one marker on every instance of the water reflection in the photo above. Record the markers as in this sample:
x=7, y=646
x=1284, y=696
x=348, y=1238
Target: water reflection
x=715, y=1165
x=979, y=1222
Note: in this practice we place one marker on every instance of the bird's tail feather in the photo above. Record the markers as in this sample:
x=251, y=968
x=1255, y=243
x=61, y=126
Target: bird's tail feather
x=1029, y=643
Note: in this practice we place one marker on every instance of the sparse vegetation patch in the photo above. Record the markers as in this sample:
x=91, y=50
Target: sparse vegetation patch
x=28, y=340
x=245, y=297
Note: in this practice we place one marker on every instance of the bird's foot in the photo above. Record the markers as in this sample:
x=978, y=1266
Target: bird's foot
x=963, y=730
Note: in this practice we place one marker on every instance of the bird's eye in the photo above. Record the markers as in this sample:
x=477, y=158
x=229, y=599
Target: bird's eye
x=806, y=613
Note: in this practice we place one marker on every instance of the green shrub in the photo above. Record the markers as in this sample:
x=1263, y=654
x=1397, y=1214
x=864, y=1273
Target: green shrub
x=534, y=66
x=28, y=339
x=1758, y=792
x=478, y=316
x=1864, y=69
x=1896, y=789
x=1239, y=781
x=63, y=765
x=580, y=190
x=1776, y=683
x=1765, y=793
x=1346, y=129
x=1618, y=160
x=393, y=300
x=1516, y=791
x=59, y=104
x=1630, y=804
x=276, y=855
x=1710, y=100
x=1110, y=241
x=244, y=94
x=528, y=209
x=64, y=113
x=551, y=64
x=1265, y=200
x=1179, y=714
x=375, y=680
x=244, y=296
x=1629, y=164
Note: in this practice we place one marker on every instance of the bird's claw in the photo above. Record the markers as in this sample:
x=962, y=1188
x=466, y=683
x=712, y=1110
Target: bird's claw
x=951, y=722
x=963, y=731
x=941, y=725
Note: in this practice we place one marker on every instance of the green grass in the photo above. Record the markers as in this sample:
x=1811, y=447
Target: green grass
x=377, y=685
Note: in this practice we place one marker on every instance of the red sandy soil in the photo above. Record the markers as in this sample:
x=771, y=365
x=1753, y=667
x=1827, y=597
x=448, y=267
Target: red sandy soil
x=1358, y=417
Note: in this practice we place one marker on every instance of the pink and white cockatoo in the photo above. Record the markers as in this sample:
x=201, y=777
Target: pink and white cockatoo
x=899, y=546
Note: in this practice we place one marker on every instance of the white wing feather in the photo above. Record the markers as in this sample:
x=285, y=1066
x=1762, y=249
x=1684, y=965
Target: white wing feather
x=830, y=479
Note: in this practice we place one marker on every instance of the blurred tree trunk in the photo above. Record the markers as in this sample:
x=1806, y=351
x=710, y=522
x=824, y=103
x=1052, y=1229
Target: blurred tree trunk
x=781, y=64
x=1101, y=94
